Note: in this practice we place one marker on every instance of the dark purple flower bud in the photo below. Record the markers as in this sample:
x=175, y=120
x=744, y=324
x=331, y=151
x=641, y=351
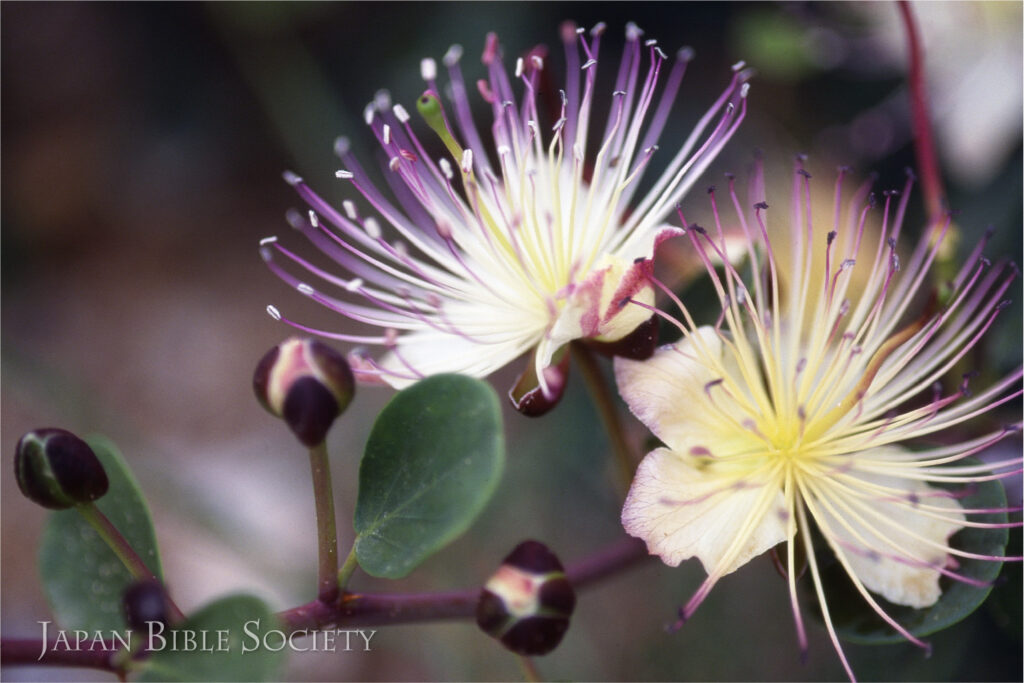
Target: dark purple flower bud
x=145, y=602
x=58, y=470
x=527, y=603
x=529, y=397
x=306, y=383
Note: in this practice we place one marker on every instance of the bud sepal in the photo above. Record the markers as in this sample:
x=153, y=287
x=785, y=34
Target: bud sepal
x=527, y=603
x=307, y=384
x=58, y=470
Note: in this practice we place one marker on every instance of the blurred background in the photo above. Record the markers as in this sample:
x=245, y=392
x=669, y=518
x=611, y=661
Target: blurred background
x=143, y=146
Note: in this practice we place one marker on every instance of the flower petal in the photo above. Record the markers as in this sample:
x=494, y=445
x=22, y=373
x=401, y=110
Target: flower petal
x=894, y=548
x=668, y=393
x=682, y=511
x=429, y=353
x=598, y=306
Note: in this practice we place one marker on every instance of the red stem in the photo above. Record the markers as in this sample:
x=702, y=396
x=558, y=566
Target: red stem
x=920, y=123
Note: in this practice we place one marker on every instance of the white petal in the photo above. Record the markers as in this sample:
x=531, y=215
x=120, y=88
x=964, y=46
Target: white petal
x=681, y=511
x=668, y=393
x=431, y=353
x=911, y=581
x=567, y=327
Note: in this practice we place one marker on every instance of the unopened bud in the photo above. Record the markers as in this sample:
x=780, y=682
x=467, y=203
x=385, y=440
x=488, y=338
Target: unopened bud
x=529, y=397
x=527, y=603
x=58, y=470
x=145, y=603
x=306, y=383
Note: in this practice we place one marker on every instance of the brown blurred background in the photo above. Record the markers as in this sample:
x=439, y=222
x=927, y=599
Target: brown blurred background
x=142, y=151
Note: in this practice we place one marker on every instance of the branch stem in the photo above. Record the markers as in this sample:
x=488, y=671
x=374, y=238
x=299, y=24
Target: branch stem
x=30, y=651
x=354, y=609
x=381, y=609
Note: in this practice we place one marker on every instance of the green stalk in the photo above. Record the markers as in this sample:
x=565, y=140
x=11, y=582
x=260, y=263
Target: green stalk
x=606, y=408
x=327, y=534
x=529, y=668
x=349, y=566
x=124, y=551
x=113, y=538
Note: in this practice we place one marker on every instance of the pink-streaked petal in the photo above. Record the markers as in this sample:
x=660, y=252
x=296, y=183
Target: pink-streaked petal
x=598, y=307
x=610, y=303
x=619, y=316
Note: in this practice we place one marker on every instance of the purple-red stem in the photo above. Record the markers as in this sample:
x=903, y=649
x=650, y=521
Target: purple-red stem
x=25, y=651
x=378, y=609
x=353, y=609
x=920, y=123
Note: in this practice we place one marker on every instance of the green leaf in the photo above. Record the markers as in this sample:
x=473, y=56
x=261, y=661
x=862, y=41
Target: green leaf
x=236, y=638
x=433, y=459
x=82, y=577
x=856, y=622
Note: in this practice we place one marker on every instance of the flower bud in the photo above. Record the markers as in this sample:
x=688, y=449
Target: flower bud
x=145, y=602
x=58, y=470
x=306, y=383
x=527, y=395
x=527, y=603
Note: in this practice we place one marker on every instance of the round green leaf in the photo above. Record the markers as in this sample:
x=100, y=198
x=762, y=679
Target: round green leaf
x=82, y=577
x=856, y=622
x=236, y=638
x=433, y=459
